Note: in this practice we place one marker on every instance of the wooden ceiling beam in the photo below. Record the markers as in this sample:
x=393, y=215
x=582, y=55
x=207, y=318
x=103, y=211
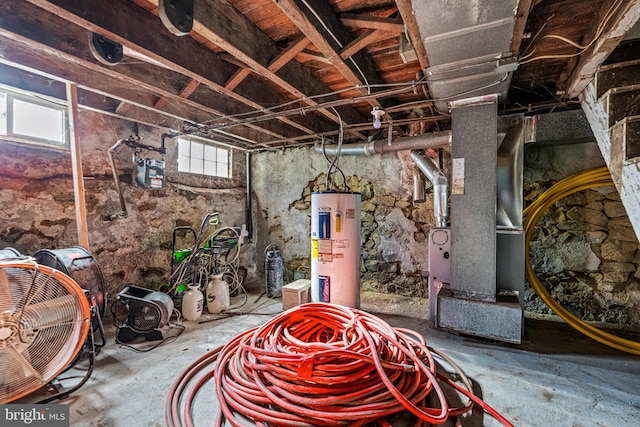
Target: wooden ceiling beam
x=406, y=11
x=372, y=22
x=131, y=25
x=362, y=41
x=49, y=45
x=307, y=55
x=278, y=62
x=289, y=53
x=184, y=93
x=237, y=78
x=330, y=36
x=606, y=33
x=220, y=23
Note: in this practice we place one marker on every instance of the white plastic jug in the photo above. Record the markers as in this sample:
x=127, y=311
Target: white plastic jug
x=217, y=294
x=192, y=303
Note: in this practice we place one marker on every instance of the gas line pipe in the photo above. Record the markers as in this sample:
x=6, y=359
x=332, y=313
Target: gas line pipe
x=597, y=177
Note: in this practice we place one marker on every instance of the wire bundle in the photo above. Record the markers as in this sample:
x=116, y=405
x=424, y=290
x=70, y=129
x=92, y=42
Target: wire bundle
x=323, y=365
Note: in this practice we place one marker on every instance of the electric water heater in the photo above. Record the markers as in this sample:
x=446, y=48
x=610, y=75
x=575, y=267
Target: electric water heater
x=335, y=248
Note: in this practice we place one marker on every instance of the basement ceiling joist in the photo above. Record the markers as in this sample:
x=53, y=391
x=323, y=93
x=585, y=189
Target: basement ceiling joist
x=139, y=30
x=264, y=73
x=218, y=22
x=33, y=40
x=612, y=24
x=320, y=24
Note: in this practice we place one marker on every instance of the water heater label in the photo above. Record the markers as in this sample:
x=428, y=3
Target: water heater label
x=324, y=289
x=350, y=213
x=341, y=244
x=324, y=247
x=324, y=224
x=325, y=250
x=314, y=248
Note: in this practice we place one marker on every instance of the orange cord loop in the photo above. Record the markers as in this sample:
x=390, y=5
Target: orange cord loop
x=324, y=365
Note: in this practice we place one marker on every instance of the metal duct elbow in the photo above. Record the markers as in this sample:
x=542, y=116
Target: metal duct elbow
x=440, y=187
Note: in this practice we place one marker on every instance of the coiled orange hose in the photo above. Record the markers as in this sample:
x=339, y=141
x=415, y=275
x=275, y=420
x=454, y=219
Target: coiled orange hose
x=323, y=365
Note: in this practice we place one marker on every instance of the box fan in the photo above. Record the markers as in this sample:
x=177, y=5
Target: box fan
x=45, y=318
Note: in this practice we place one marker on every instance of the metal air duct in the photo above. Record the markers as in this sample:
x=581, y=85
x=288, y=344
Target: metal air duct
x=440, y=187
x=426, y=140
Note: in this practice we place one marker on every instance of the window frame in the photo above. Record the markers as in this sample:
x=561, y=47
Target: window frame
x=11, y=94
x=205, y=143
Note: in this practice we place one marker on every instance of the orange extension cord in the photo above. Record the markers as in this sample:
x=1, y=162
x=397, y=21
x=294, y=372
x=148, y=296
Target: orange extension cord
x=325, y=365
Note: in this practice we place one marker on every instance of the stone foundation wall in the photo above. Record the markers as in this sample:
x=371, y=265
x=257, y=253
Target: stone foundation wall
x=585, y=251
x=393, y=229
x=583, y=248
x=37, y=204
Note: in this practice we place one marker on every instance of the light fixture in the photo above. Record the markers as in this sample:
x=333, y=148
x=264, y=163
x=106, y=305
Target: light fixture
x=377, y=113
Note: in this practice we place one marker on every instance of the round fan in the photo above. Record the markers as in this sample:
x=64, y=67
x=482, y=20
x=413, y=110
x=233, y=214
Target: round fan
x=44, y=322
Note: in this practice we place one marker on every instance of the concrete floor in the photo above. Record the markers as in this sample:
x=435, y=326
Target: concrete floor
x=556, y=377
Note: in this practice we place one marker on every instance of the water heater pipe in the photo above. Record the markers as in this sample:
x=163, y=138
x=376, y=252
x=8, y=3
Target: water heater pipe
x=440, y=187
x=420, y=142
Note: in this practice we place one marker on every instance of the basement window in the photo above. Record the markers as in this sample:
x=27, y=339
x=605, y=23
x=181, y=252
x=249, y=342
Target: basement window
x=31, y=118
x=203, y=158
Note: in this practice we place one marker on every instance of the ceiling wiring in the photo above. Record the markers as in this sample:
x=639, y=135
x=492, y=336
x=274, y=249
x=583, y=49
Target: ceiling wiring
x=326, y=27
x=329, y=179
x=581, y=48
x=408, y=85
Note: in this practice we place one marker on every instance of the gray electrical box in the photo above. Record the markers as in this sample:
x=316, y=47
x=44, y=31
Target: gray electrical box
x=149, y=174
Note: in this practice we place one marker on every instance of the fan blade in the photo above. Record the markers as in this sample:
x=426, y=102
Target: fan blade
x=20, y=362
x=6, y=299
x=53, y=312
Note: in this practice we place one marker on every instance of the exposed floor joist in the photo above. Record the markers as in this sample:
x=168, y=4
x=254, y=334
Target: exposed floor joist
x=610, y=27
x=221, y=24
x=318, y=22
x=35, y=42
x=136, y=28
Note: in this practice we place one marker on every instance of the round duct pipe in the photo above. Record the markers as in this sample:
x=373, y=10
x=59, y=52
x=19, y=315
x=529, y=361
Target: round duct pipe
x=420, y=142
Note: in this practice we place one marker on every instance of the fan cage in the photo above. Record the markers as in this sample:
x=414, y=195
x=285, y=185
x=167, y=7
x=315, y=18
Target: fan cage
x=144, y=316
x=44, y=321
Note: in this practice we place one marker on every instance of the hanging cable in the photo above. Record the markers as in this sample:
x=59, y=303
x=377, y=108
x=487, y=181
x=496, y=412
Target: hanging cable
x=397, y=88
x=581, y=49
x=325, y=365
x=333, y=164
x=598, y=177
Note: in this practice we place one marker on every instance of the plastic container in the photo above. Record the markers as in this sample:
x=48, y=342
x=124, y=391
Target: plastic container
x=217, y=294
x=192, y=303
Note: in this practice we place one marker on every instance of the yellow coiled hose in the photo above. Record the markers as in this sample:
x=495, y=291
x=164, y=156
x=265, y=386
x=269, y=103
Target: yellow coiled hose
x=598, y=177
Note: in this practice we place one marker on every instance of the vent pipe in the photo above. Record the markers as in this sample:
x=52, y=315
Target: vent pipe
x=420, y=142
x=440, y=187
